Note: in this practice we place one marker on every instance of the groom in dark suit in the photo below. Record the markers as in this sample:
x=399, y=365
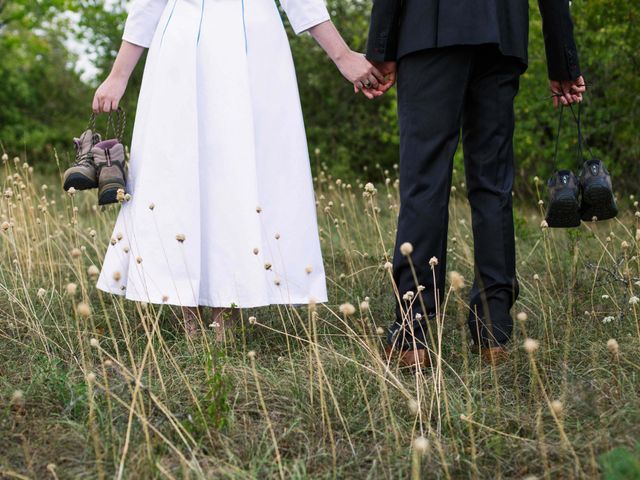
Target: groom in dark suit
x=458, y=64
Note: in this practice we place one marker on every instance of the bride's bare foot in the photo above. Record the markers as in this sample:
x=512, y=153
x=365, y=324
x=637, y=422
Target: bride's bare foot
x=191, y=320
x=224, y=319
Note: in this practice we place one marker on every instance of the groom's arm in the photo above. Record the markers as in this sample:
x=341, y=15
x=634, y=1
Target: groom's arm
x=382, y=45
x=560, y=45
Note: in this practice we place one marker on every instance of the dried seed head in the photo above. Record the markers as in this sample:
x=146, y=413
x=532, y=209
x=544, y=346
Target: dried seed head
x=93, y=271
x=76, y=253
x=17, y=398
x=347, y=309
x=94, y=343
x=456, y=280
x=421, y=445
x=413, y=406
x=120, y=195
x=388, y=266
x=624, y=245
x=557, y=407
x=252, y=320
x=364, y=306
x=544, y=224
x=531, y=346
x=41, y=293
x=406, y=249
x=83, y=309
x=433, y=261
x=72, y=288
x=522, y=316
x=251, y=354
x=71, y=191
x=612, y=346
x=91, y=377
x=380, y=331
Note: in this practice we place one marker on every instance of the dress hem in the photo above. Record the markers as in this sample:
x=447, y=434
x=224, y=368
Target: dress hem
x=206, y=303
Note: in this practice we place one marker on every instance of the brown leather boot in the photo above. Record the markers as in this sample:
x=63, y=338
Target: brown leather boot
x=408, y=358
x=491, y=355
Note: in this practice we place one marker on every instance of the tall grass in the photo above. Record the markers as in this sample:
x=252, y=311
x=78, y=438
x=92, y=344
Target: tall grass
x=95, y=386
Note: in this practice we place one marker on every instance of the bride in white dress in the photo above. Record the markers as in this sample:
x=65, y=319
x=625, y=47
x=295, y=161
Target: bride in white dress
x=222, y=210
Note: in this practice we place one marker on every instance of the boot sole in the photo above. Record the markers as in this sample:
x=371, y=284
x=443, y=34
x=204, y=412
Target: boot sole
x=598, y=201
x=79, y=182
x=109, y=194
x=564, y=212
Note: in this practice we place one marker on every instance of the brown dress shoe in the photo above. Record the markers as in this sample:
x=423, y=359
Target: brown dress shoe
x=491, y=355
x=408, y=358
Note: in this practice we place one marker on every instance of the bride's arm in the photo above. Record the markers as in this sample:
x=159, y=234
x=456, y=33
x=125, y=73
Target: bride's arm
x=353, y=65
x=107, y=97
x=139, y=30
x=312, y=16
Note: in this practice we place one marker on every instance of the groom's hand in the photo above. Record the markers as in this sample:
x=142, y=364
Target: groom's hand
x=388, y=69
x=567, y=92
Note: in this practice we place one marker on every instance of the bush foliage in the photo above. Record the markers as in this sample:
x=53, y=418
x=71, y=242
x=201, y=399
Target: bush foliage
x=44, y=101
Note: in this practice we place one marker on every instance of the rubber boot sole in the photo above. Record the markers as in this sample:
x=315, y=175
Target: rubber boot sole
x=598, y=203
x=564, y=212
x=79, y=182
x=109, y=193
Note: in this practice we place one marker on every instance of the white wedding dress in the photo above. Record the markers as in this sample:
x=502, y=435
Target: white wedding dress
x=222, y=209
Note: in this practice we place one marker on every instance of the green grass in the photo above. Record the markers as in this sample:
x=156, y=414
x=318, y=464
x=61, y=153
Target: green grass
x=316, y=398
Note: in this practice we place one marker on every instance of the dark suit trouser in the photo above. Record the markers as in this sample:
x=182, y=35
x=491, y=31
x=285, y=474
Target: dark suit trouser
x=441, y=93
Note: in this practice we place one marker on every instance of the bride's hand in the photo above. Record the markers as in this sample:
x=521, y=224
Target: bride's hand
x=359, y=71
x=108, y=96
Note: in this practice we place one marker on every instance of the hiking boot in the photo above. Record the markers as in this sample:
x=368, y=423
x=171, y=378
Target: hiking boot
x=598, y=202
x=564, y=209
x=82, y=176
x=108, y=157
x=491, y=355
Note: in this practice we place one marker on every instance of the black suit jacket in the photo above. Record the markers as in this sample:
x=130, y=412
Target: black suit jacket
x=399, y=27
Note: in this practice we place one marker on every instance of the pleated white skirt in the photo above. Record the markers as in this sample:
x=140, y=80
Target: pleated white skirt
x=222, y=210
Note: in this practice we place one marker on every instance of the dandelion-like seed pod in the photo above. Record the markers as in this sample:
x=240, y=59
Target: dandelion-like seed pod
x=406, y=249
x=531, y=345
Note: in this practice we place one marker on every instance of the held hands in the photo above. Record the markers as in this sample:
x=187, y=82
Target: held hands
x=567, y=92
x=366, y=78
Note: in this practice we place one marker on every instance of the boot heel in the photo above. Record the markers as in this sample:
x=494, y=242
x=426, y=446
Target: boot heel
x=109, y=193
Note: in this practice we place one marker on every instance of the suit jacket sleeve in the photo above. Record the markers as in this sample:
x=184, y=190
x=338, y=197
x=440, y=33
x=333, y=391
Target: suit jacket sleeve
x=305, y=14
x=559, y=42
x=382, y=45
x=142, y=21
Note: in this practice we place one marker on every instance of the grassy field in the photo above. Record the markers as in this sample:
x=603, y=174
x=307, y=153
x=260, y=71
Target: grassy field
x=94, y=387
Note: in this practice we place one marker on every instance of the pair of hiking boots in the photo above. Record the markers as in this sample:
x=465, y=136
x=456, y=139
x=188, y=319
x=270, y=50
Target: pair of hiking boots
x=588, y=197
x=99, y=164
